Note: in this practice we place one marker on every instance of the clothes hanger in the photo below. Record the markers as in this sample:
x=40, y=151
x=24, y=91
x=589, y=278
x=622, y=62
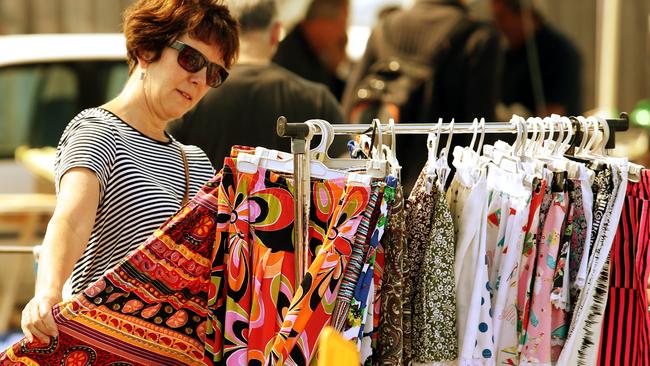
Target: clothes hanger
x=560, y=138
x=391, y=157
x=377, y=166
x=479, y=148
x=532, y=141
x=511, y=161
x=432, y=157
x=319, y=153
x=564, y=146
x=283, y=162
x=443, y=168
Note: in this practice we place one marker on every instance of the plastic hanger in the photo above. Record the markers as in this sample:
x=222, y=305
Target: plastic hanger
x=443, y=168
x=569, y=128
x=532, y=141
x=510, y=161
x=479, y=148
x=283, y=162
x=319, y=153
x=390, y=152
x=432, y=148
x=560, y=138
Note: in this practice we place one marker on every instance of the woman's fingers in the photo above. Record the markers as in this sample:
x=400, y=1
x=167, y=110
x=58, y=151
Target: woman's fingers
x=37, y=321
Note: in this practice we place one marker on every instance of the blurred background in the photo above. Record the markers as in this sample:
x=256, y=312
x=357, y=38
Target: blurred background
x=611, y=36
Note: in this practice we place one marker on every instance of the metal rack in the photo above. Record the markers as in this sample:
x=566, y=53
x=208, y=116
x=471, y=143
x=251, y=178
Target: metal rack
x=300, y=133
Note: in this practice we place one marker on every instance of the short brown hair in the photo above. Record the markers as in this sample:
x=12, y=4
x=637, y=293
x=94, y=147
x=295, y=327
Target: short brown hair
x=329, y=9
x=150, y=25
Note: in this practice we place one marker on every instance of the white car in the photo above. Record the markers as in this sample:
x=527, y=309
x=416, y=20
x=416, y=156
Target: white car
x=45, y=80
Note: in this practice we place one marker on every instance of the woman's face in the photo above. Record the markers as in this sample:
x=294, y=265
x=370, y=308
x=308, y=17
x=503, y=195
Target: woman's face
x=169, y=89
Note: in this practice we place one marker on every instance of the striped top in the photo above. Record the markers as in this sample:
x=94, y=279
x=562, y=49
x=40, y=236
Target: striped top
x=142, y=183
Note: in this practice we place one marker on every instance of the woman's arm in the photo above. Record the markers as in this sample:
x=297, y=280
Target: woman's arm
x=65, y=240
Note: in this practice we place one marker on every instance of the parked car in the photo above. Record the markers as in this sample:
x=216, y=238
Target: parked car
x=45, y=80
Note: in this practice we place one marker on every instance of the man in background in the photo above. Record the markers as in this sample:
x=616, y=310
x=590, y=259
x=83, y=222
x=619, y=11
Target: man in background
x=244, y=110
x=542, y=68
x=465, y=71
x=315, y=48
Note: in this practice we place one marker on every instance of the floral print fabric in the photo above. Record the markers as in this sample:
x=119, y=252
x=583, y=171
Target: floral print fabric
x=431, y=279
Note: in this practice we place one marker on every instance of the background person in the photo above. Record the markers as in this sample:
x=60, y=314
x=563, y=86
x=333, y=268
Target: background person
x=245, y=110
x=542, y=68
x=465, y=81
x=315, y=47
x=119, y=176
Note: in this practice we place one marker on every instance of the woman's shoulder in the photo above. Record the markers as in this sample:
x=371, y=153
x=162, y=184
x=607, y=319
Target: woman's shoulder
x=96, y=119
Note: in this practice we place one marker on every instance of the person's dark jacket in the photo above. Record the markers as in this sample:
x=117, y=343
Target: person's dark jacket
x=244, y=111
x=466, y=84
x=295, y=54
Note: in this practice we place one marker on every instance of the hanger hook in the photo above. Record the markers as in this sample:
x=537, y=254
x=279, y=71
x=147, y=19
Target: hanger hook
x=569, y=128
x=327, y=134
x=606, y=133
x=515, y=122
x=376, y=125
x=592, y=139
x=445, y=152
x=530, y=146
x=560, y=138
x=393, y=135
x=480, y=141
x=475, y=124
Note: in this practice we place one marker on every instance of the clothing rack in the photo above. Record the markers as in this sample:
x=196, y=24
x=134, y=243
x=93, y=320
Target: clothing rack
x=300, y=133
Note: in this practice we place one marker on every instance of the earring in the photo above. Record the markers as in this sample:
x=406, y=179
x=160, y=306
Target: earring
x=142, y=75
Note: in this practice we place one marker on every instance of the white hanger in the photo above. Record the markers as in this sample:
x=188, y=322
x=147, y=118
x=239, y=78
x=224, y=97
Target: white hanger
x=283, y=162
x=585, y=134
x=319, y=153
x=432, y=148
x=532, y=141
x=560, y=138
x=443, y=168
x=390, y=152
x=511, y=161
x=564, y=146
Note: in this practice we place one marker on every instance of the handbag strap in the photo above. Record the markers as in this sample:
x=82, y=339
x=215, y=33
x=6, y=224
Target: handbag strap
x=186, y=195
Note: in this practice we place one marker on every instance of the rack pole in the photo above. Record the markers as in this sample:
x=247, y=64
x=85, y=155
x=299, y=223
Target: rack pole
x=300, y=134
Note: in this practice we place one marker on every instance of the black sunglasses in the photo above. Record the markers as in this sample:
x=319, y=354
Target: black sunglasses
x=193, y=61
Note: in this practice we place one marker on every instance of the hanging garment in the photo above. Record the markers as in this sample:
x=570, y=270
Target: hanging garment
x=419, y=213
x=389, y=343
x=361, y=304
x=625, y=338
x=253, y=271
x=579, y=237
x=538, y=346
x=311, y=308
x=528, y=260
x=431, y=276
x=467, y=199
x=508, y=201
x=368, y=335
x=581, y=346
x=584, y=220
x=360, y=247
x=149, y=310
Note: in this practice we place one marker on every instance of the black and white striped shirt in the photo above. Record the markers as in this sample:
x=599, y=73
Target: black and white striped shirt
x=142, y=183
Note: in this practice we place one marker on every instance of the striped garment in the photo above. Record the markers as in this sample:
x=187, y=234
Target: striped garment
x=625, y=337
x=142, y=182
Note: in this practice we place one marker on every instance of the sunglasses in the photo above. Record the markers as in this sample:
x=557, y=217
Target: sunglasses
x=193, y=61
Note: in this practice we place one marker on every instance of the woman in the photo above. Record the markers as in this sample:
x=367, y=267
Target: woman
x=119, y=175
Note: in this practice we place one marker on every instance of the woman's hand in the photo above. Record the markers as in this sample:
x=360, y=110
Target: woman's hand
x=64, y=242
x=37, y=320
